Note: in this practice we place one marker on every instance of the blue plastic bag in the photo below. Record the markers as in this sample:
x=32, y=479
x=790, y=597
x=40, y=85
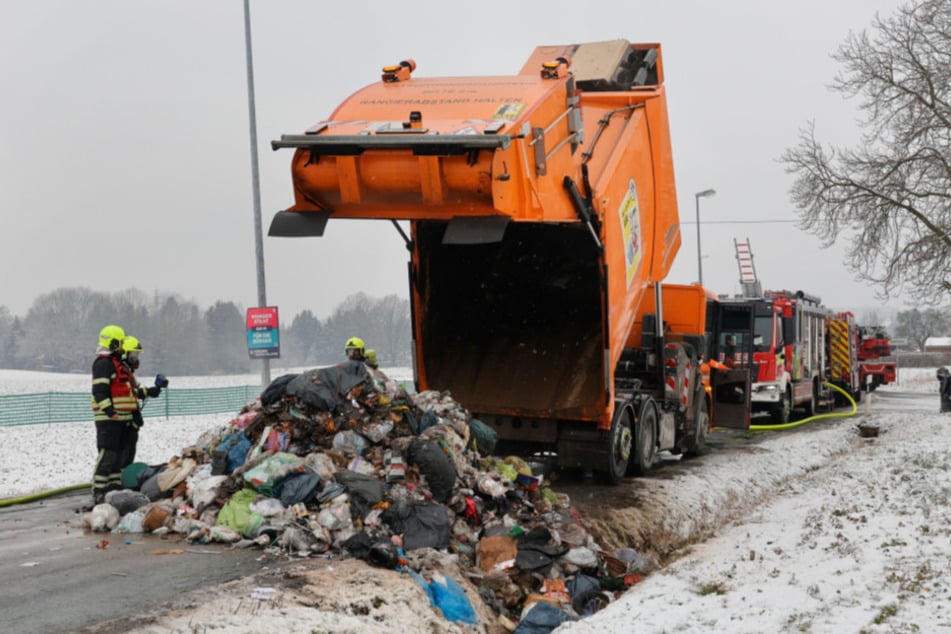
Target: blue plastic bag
x=447, y=595
x=236, y=446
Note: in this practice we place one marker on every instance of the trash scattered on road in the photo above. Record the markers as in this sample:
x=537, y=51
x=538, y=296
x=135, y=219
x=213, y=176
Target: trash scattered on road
x=263, y=593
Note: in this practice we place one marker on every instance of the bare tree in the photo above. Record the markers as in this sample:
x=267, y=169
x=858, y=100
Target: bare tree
x=394, y=330
x=891, y=194
x=919, y=325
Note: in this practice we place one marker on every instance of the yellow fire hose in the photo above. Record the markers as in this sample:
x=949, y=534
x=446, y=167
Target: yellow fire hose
x=32, y=497
x=855, y=409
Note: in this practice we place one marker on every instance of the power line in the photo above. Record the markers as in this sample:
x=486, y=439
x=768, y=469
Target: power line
x=737, y=222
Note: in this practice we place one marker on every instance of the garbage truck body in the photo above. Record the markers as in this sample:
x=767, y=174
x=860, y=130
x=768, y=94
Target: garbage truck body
x=542, y=220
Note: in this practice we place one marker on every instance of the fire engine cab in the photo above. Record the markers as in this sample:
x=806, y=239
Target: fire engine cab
x=788, y=353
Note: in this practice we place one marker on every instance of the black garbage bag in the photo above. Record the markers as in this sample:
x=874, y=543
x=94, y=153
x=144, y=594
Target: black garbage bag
x=371, y=538
x=364, y=491
x=276, y=390
x=326, y=388
x=435, y=465
x=297, y=487
x=422, y=524
x=536, y=552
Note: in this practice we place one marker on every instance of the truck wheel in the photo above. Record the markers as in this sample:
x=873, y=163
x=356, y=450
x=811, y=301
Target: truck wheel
x=697, y=443
x=809, y=409
x=618, y=448
x=645, y=441
x=782, y=409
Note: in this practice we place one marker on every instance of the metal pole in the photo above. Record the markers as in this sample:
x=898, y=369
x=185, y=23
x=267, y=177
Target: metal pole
x=699, y=257
x=697, y=197
x=255, y=183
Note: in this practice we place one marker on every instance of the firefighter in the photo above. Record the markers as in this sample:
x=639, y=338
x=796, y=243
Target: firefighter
x=112, y=403
x=131, y=350
x=944, y=388
x=729, y=351
x=355, y=349
x=372, y=360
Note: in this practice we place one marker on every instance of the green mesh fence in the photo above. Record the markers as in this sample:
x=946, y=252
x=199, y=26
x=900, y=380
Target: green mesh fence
x=70, y=407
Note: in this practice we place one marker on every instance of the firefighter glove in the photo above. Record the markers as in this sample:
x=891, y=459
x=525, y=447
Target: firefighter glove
x=110, y=412
x=154, y=391
x=160, y=381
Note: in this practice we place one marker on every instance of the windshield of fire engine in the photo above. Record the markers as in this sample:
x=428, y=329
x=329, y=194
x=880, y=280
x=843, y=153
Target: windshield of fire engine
x=762, y=333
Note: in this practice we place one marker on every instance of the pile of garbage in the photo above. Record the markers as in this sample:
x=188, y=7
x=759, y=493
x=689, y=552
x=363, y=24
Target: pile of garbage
x=342, y=461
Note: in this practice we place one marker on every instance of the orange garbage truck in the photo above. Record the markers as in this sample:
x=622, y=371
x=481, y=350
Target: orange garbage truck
x=542, y=219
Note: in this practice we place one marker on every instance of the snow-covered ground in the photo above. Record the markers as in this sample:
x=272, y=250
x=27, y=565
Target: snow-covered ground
x=853, y=534
x=861, y=544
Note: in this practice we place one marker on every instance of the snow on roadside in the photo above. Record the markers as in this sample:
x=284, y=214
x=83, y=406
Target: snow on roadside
x=862, y=544
x=37, y=458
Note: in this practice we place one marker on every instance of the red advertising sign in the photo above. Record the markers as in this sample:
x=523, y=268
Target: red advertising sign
x=263, y=333
x=262, y=317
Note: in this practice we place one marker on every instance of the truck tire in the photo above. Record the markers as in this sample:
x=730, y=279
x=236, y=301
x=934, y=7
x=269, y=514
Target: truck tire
x=809, y=408
x=645, y=441
x=697, y=443
x=782, y=409
x=618, y=448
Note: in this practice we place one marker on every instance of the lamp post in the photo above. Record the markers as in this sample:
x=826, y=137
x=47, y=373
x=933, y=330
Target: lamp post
x=704, y=194
x=255, y=183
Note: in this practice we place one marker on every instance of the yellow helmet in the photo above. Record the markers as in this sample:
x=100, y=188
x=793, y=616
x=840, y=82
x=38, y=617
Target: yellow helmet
x=354, y=343
x=130, y=352
x=371, y=358
x=111, y=337
x=131, y=344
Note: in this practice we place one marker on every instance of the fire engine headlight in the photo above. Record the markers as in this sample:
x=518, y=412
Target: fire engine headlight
x=767, y=389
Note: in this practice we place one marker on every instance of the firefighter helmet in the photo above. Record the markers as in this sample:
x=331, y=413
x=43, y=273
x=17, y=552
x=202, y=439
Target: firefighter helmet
x=131, y=344
x=130, y=350
x=111, y=337
x=354, y=343
x=371, y=359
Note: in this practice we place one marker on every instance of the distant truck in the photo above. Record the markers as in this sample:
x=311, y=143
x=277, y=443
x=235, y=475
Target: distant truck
x=542, y=221
x=874, y=346
x=800, y=348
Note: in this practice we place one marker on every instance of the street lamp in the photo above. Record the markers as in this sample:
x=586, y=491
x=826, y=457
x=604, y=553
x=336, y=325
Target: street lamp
x=704, y=194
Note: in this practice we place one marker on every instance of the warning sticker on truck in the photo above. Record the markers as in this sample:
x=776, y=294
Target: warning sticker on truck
x=509, y=111
x=631, y=231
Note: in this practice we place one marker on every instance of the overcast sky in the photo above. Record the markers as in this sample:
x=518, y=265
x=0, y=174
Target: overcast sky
x=125, y=157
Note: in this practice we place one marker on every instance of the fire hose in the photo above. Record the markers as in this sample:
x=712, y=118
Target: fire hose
x=779, y=426
x=33, y=497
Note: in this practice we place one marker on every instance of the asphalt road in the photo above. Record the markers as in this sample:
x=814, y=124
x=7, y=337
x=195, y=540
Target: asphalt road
x=56, y=579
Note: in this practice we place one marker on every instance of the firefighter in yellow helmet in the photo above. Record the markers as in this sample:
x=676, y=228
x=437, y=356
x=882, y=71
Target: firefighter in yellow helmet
x=112, y=405
x=371, y=359
x=131, y=351
x=355, y=349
